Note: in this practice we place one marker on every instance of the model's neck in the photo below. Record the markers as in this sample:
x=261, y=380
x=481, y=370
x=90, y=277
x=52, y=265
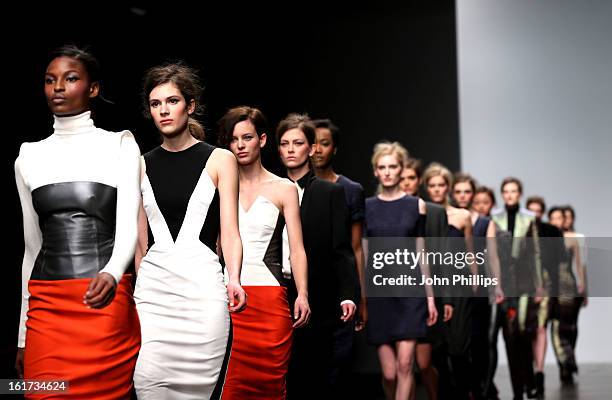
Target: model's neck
x=296, y=173
x=251, y=173
x=327, y=173
x=179, y=142
x=512, y=208
x=391, y=193
x=444, y=203
x=474, y=215
x=74, y=124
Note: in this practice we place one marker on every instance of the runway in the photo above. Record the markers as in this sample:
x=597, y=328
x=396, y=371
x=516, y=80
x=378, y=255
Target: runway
x=592, y=383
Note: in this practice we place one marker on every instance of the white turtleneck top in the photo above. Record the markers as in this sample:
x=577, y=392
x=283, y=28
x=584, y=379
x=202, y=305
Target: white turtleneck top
x=77, y=151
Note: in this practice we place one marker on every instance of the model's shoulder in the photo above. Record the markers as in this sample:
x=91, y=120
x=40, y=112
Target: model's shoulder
x=124, y=138
x=498, y=213
x=321, y=184
x=371, y=200
x=348, y=182
x=217, y=153
x=465, y=213
x=434, y=207
x=485, y=220
x=281, y=183
x=27, y=149
x=528, y=213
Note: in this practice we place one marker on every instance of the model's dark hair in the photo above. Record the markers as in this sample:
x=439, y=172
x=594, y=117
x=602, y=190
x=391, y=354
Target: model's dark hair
x=416, y=165
x=297, y=121
x=536, y=200
x=236, y=115
x=83, y=55
x=488, y=191
x=512, y=179
x=186, y=80
x=327, y=124
x=570, y=209
x=573, y=212
x=463, y=177
x=554, y=209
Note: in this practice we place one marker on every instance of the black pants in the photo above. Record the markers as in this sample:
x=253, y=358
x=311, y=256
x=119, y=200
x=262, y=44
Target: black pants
x=479, y=349
x=495, y=322
x=342, y=356
x=459, y=346
x=519, y=327
x=311, y=364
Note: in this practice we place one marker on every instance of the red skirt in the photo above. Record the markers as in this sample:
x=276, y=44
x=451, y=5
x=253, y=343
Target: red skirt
x=262, y=337
x=95, y=350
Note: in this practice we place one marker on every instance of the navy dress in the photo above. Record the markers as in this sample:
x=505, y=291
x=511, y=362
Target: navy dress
x=395, y=318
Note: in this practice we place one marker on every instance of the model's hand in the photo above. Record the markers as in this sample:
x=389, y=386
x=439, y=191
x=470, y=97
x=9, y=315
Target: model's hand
x=432, y=311
x=19, y=362
x=448, y=312
x=301, y=311
x=540, y=294
x=237, y=297
x=348, y=311
x=101, y=291
x=362, y=318
x=499, y=295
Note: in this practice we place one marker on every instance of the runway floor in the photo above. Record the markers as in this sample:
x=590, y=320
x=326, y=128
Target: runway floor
x=593, y=382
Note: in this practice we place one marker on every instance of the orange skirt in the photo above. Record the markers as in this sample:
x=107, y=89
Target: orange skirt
x=262, y=337
x=95, y=350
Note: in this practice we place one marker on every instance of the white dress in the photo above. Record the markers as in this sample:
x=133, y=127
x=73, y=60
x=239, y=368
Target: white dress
x=180, y=293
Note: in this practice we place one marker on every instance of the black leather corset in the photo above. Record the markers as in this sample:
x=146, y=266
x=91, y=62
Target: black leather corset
x=77, y=221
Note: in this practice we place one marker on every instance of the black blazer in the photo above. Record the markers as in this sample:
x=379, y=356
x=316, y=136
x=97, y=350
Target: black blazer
x=436, y=231
x=331, y=263
x=436, y=224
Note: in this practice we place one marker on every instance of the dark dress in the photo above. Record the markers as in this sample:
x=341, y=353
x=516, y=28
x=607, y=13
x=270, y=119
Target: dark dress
x=395, y=318
x=353, y=193
x=459, y=326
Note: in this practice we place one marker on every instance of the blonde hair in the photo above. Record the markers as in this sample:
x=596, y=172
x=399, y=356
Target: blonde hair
x=396, y=149
x=437, y=169
x=382, y=149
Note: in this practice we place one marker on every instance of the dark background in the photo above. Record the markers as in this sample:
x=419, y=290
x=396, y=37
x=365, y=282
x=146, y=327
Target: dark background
x=378, y=72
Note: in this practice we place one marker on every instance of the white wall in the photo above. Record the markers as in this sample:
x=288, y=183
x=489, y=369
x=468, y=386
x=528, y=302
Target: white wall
x=535, y=83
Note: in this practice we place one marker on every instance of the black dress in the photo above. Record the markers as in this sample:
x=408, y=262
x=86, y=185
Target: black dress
x=395, y=318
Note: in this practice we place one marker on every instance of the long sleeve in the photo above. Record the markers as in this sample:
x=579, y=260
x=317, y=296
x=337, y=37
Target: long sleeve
x=344, y=261
x=128, y=203
x=32, y=242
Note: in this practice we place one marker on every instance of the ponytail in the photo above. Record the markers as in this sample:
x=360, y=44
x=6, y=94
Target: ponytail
x=196, y=128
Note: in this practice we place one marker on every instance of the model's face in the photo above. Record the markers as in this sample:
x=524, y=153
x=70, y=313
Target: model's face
x=568, y=219
x=437, y=189
x=536, y=208
x=409, y=182
x=557, y=219
x=482, y=204
x=463, y=194
x=294, y=149
x=324, y=148
x=388, y=171
x=511, y=194
x=246, y=144
x=169, y=109
x=68, y=88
